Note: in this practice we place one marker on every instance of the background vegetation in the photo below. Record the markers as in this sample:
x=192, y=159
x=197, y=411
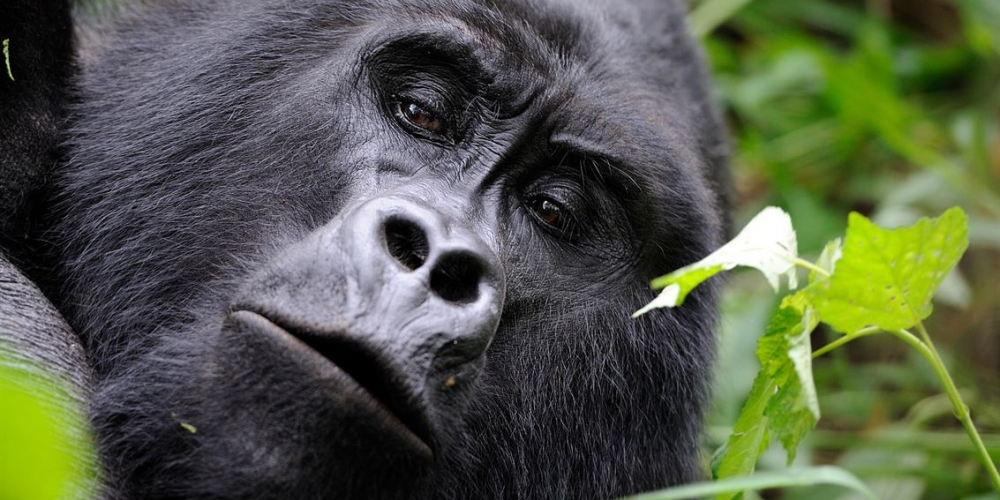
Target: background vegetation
x=891, y=109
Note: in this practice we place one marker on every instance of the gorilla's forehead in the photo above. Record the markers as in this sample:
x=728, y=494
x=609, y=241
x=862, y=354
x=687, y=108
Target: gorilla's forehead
x=615, y=46
x=610, y=49
x=604, y=78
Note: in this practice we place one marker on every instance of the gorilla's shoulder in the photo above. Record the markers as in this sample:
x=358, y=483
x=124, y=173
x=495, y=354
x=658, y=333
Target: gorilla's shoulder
x=34, y=337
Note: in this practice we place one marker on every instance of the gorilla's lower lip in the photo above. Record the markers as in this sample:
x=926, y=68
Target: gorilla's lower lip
x=415, y=432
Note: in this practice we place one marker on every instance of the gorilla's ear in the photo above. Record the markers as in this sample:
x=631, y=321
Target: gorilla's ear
x=37, y=37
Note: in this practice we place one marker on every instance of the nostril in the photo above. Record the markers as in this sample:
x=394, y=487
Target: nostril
x=406, y=242
x=456, y=277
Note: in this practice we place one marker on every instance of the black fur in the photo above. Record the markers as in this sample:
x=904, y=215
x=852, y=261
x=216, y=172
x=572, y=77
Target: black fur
x=33, y=82
x=211, y=137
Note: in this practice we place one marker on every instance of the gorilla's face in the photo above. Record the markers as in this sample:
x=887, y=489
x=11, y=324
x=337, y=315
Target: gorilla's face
x=320, y=250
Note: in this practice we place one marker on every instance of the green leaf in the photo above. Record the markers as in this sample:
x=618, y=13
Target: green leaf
x=785, y=353
x=827, y=260
x=767, y=243
x=887, y=277
x=778, y=479
x=750, y=437
x=783, y=401
x=681, y=283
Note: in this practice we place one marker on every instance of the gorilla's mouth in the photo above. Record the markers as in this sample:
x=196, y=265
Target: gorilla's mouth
x=349, y=365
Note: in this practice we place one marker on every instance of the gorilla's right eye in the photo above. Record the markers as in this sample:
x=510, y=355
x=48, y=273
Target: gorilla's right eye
x=554, y=213
x=416, y=115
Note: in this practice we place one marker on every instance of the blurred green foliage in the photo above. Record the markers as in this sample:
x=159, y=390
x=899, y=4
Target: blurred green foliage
x=891, y=109
x=45, y=449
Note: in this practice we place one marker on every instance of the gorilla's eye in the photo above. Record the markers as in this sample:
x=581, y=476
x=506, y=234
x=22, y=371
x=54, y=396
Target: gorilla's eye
x=556, y=205
x=548, y=211
x=418, y=116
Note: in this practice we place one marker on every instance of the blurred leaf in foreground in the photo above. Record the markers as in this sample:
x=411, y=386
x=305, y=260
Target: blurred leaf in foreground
x=40, y=456
x=788, y=478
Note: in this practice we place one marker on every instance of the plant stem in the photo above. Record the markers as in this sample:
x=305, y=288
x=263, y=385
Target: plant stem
x=810, y=266
x=961, y=410
x=926, y=337
x=925, y=347
x=864, y=332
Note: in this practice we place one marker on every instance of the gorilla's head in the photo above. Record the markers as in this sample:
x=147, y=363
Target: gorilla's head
x=330, y=249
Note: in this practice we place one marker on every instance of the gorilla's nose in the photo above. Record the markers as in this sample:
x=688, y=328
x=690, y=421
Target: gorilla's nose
x=456, y=275
x=418, y=266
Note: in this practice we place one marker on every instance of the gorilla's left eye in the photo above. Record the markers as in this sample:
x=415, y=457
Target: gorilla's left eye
x=547, y=211
x=419, y=116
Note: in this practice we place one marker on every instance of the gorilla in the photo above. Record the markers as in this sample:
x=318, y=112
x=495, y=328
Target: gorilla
x=379, y=249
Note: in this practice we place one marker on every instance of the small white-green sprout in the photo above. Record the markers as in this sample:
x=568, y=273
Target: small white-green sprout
x=767, y=243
